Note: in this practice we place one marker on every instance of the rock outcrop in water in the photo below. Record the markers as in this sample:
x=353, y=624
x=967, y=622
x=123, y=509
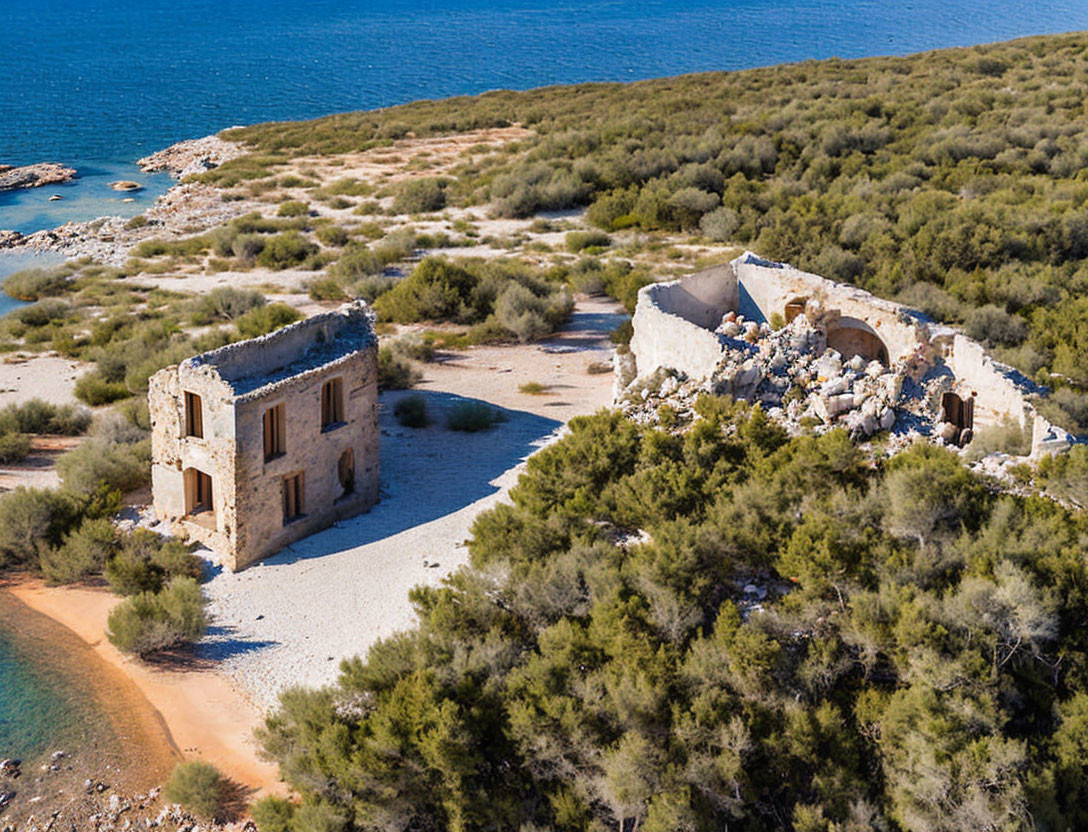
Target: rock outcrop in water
x=34, y=176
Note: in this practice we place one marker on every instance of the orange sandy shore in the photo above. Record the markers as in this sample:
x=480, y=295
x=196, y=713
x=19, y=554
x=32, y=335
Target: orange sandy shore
x=205, y=718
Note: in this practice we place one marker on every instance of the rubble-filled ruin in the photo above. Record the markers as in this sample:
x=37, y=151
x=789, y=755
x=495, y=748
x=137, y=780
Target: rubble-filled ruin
x=263, y=442
x=814, y=352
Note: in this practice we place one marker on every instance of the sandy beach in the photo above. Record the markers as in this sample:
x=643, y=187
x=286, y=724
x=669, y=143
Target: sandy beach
x=201, y=715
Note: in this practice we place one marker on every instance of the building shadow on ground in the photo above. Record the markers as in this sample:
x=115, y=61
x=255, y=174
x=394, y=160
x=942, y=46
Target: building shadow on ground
x=428, y=473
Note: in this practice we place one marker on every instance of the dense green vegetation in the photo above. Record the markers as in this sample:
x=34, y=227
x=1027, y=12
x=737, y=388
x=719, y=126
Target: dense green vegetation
x=797, y=640
x=951, y=180
x=198, y=787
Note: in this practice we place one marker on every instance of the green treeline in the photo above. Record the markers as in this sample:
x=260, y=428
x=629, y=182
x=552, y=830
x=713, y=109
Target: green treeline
x=725, y=629
x=953, y=180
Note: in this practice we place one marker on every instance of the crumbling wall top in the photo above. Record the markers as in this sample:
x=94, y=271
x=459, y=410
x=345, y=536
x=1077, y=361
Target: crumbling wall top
x=250, y=367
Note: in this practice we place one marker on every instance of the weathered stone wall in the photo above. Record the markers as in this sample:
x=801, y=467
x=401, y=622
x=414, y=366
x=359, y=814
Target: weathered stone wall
x=173, y=453
x=309, y=450
x=673, y=322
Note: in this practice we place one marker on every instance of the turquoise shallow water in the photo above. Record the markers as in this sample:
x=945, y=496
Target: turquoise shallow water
x=99, y=83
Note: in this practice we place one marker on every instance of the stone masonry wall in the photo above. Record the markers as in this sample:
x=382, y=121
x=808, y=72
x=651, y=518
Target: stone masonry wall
x=309, y=450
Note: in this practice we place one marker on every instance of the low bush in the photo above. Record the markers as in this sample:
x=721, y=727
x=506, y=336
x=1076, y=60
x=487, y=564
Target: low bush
x=395, y=372
x=992, y=325
x=14, y=447
x=527, y=315
x=411, y=411
x=248, y=247
x=33, y=519
x=356, y=261
x=332, y=235
x=152, y=622
x=293, y=208
x=91, y=388
x=38, y=416
x=121, y=466
x=139, y=221
x=533, y=388
x=266, y=319
x=199, y=788
x=327, y=288
x=35, y=284
x=83, y=553
x=285, y=251
x=420, y=196
x=473, y=416
x=145, y=562
x=720, y=224
x=224, y=303
x=43, y=312
x=273, y=814
x=580, y=240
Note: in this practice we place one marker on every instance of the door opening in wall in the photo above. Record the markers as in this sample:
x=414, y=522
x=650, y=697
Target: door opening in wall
x=198, y=492
x=346, y=472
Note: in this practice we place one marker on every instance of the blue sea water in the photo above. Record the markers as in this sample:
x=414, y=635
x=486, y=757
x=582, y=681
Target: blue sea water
x=99, y=83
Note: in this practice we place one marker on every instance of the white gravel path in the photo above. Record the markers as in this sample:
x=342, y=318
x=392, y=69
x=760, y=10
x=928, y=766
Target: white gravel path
x=291, y=618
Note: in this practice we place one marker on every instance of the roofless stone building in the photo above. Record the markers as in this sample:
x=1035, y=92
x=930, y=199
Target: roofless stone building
x=263, y=442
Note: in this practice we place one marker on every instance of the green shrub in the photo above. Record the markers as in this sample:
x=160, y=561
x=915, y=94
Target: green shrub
x=285, y=251
x=139, y=221
x=266, y=319
x=293, y=208
x=472, y=416
x=318, y=817
x=32, y=519
x=152, y=622
x=533, y=388
x=720, y=224
x=420, y=196
x=34, y=284
x=94, y=390
x=356, y=261
x=395, y=372
x=144, y=562
x=273, y=814
x=83, y=553
x=411, y=411
x=14, y=447
x=248, y=247
x=332, y=235
x=199, y=788
x=522, y=313
x=326, y=288
x=224, y=303
x=579, y=240
x=43, y=312
x=434, y=291
x=97, y=462
x=993, y=325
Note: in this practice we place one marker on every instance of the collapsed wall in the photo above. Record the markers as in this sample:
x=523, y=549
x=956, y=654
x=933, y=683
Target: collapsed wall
x=808, y=348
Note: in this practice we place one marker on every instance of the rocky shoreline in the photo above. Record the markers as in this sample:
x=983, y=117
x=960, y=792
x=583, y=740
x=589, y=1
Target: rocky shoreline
x=186, y=209
x=34, y=176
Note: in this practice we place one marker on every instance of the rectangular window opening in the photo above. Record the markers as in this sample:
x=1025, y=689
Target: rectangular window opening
x=332, y=403
x=275, y=443
x=194, y=416
x=292, y=498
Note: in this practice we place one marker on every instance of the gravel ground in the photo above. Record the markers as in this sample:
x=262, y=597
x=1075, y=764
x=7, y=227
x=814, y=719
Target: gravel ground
x=290, y=619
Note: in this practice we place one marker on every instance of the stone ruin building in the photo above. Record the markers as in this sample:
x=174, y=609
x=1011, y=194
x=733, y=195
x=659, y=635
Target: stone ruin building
x=808, y=348
x=263, y=442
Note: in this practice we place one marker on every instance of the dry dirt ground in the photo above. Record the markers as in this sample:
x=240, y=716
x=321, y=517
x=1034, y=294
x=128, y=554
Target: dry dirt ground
x=291, y=618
